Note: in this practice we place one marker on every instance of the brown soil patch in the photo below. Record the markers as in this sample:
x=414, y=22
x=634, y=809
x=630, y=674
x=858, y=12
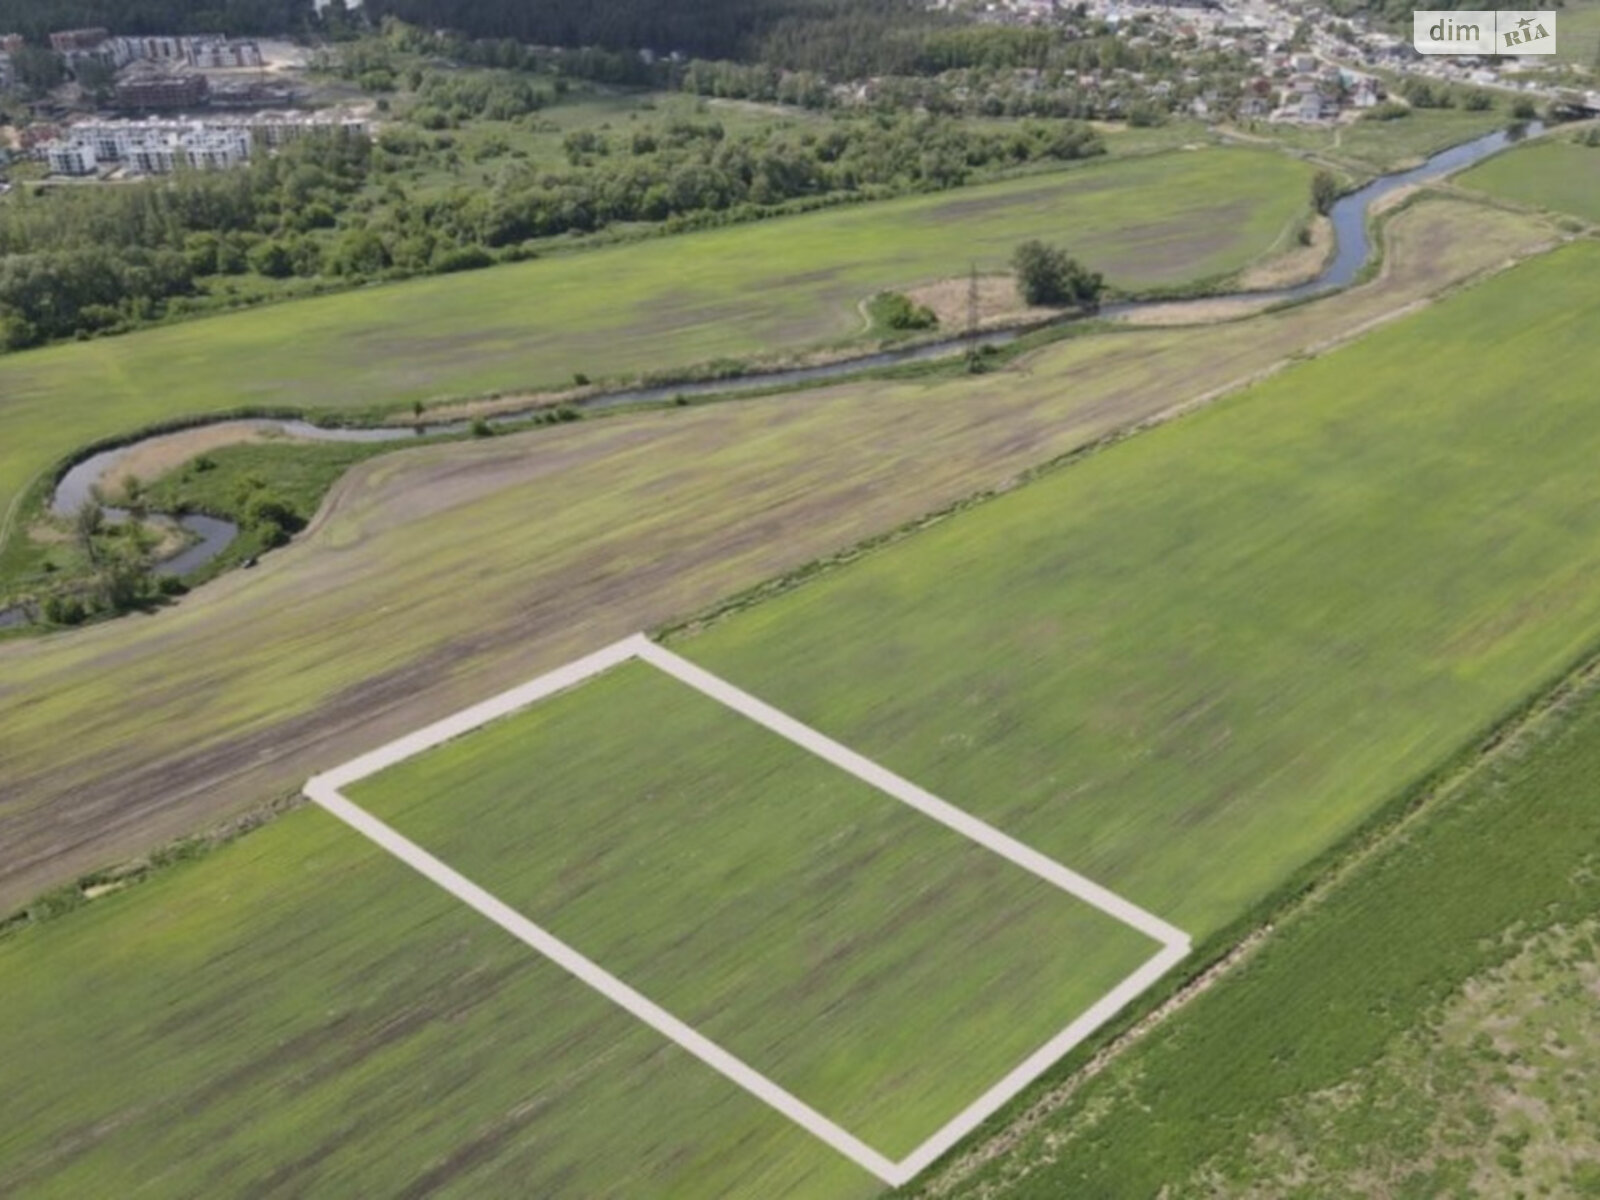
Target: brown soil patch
x=1299, y=264
x=999, y=304
x=1195, y=312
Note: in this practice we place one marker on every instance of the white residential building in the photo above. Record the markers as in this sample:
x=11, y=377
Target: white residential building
x=159, y=147
x=71, y=158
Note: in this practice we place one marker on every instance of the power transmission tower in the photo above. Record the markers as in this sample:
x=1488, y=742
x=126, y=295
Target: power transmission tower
x=972, y=304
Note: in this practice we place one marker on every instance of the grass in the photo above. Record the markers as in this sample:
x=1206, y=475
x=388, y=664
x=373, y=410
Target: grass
x=1578, y=34
x=1402, y=1036
x=1230, y=641
x=296, y=989
x=437, y=575
x=881, y=967
x=747, y=290
x=1553, y=173
x=300, y=1013
x=226, y=481
x=1493, y=1084
x=1381, y=147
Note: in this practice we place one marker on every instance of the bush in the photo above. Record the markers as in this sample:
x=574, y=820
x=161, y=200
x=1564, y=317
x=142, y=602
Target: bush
x=1047, y=275
x=1389, y=110
x=891, y=310
x=271, y=258
x=481, y=428
x=64, y=610
x=1324, y=191
x=267, y=509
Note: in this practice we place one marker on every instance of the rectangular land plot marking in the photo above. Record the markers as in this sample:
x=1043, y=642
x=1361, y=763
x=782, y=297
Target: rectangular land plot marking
x=325, y=791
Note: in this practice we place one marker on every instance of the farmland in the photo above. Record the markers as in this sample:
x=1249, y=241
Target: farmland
x=1554, y=173
x=1425, y=1027
x=616, y=311
x=1357, y=538
x=881, y=967
x=567, y=537
x=271, y=1007
x=1230, y=640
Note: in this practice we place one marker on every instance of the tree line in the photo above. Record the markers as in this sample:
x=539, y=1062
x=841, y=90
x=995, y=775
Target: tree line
x=37, y=18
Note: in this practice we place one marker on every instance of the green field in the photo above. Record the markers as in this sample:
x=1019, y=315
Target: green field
x=1230, y=640
x=1427, y=1028
x=672, y=302
x=1578, y=34
x=437, y=575
x=1352, y=572
x=300, y=1014
x=1379, y=147
x=881, y=967
x=1553, y=173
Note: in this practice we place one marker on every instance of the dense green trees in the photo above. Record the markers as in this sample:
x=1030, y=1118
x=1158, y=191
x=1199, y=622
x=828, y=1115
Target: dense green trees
x=85, y=260
x=1324, y=191
x=36, y=18
x=848, y=34
x=1047, y=275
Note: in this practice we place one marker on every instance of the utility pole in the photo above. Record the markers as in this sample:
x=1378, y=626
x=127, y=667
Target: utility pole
x=972, y=318
x=972, y=304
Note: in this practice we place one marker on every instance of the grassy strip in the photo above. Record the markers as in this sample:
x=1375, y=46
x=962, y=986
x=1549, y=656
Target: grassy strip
x=94, y=885
x=1506, y=849
x=1554, y=173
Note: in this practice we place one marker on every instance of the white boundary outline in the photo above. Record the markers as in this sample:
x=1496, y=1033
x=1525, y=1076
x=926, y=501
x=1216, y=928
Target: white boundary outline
x=325, y=791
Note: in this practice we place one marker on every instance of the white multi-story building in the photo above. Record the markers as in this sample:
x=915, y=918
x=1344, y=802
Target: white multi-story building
x=71, y=158
x=159, y=147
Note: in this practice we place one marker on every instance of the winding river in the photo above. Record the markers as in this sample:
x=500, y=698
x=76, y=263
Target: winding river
x=1352, y=247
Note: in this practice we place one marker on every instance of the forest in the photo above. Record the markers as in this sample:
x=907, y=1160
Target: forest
x=845, y=38
x=36, y=18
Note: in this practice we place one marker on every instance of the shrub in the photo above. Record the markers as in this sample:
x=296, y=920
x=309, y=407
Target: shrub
x=1324, y=191
x=64, y=610
x=481, y=428
x=891, y=310
x=1389, y=110
x=267, y=509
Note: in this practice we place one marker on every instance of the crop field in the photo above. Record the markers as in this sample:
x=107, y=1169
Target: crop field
x=569, y=537
x=1427, y=1027
x=672, y=302
x=876, y=964
x=300, y=1013
x=1553, y=173
x=1230, y=640
x=297, y=993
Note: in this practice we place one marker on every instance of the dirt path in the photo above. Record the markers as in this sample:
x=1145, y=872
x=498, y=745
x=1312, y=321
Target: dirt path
x=438, y=575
